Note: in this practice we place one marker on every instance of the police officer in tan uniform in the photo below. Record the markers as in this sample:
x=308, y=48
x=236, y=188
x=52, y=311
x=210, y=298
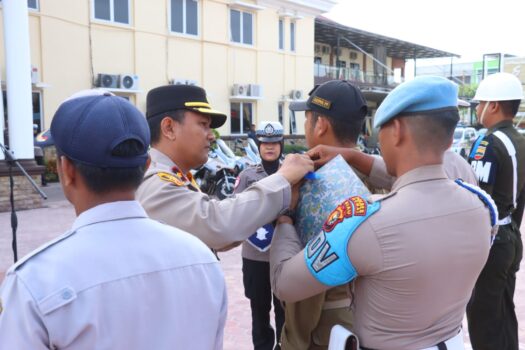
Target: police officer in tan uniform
x=374, y=167
x=498, y=158
x=256, y=249
x=415, y=253
x=181, y=122
x=334, y=115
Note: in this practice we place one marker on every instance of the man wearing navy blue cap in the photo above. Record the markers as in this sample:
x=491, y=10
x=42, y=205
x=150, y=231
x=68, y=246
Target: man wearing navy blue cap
x=415, y=253
x=181, y=122
x=112, y=281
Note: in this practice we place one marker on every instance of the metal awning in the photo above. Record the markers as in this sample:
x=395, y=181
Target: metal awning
x=327, y=31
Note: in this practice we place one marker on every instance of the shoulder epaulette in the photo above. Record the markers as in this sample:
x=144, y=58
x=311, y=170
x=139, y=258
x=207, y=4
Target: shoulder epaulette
x=177, y=181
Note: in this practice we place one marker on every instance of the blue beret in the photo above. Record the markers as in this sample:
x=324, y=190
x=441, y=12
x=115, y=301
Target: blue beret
x=422, y=94
x=88, y=128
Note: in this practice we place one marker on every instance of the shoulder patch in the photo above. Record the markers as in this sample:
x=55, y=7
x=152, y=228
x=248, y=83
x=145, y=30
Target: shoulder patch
x=326, y=254
x=177, y=181
x=480, y=152
x=487, y=200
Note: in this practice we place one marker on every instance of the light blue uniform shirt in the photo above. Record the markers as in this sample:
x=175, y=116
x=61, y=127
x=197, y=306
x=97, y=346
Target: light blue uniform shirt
x=117, y=280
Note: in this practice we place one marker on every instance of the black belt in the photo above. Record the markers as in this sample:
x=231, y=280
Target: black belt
x=441, y=346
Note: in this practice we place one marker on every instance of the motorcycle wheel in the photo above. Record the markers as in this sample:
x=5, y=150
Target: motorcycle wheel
x=224, y=187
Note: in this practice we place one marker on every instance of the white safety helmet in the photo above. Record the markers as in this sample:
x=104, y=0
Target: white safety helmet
x=269, y=131
x=499, y=87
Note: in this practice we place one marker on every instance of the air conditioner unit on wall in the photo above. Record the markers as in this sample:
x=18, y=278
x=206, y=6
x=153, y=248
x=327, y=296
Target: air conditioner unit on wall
x=353, y=55
x=296, y=94
x=109, y=81
x=239, y=90
x=255, y=90
x=129, y=81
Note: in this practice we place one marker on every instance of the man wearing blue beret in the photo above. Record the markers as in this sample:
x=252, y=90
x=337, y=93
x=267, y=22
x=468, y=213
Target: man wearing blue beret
x=113, y=281
x=415, y=253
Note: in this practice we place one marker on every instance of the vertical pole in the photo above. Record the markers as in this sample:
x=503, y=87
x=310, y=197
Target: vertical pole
x=2, y=141
x=18, y=78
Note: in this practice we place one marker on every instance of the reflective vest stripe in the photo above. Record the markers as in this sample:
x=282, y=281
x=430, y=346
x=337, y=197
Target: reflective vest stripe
x=512, y=153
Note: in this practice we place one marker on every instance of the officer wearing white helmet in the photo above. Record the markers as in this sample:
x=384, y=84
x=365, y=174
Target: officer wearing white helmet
x=256, y=249
x=498, y=159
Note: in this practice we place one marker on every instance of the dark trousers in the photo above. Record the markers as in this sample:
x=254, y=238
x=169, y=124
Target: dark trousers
x=491, y=317
x=257, y=288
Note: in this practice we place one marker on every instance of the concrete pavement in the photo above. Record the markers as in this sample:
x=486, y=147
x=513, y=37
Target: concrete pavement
x=38, y=226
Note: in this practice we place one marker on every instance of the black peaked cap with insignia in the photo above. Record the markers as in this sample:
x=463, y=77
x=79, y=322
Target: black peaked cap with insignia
x=336, y=99
x=170, y=98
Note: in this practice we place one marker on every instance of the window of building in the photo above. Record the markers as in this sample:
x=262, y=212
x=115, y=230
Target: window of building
x=280, y=112
x=292, y=36
x=185, y=16
x=241, y=117
x=32, y=4
x=38, y=124
x=293, y=124
x=112, y=10
x=281, y=34
x=241, y=27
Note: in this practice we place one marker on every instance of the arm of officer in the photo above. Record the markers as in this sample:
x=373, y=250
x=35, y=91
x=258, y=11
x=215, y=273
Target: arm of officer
x=293, y=280
x=486, y=162
x=290, y=278
x=21, y=325
x=518, y=213
x=373, y=167
x=219, y=223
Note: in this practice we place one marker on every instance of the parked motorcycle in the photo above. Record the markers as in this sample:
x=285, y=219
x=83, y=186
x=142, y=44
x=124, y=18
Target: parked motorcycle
x=251, y=153
x=217, y=176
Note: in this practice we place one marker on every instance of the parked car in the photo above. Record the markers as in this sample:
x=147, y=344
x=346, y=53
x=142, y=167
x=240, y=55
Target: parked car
x=464, y=138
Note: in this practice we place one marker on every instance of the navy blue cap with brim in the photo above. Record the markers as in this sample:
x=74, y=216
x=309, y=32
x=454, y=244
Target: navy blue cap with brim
x=168, y=98
x=87, y=129
x=422, y=94
x=337, y=99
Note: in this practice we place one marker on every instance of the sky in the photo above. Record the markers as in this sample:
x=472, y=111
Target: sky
x=468, y=28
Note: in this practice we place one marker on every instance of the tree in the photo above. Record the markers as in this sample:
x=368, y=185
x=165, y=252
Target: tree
x=467, y=91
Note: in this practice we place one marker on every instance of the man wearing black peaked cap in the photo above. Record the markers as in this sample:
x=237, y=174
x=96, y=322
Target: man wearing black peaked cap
x=181, y=122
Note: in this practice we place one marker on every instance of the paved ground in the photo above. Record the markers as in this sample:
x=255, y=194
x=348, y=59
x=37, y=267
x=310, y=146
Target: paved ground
x=40, y=225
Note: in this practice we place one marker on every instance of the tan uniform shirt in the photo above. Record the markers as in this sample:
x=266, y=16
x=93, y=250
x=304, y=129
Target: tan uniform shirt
x=171, y=198
x=454, y=165
x=247, y=178
x=417, y=261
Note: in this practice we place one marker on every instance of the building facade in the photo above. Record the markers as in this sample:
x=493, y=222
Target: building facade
x=252, y=57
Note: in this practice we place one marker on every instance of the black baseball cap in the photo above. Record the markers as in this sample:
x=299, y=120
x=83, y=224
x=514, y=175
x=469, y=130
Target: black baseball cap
x=89, y=125
x=337, y=99
x=173, y=97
